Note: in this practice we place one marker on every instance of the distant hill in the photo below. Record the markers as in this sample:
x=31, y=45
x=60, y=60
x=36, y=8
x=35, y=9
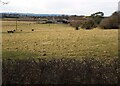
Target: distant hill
x=12, y=15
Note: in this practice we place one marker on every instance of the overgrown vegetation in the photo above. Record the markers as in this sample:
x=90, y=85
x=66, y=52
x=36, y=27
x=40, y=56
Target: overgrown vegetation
x=97, y=20
x=76, y=24
x=93, y=21
x=112, y=22
x=97, y=17
x=89, y=22
x=61, y=71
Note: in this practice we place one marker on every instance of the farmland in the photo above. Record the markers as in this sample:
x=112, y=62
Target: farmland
x=57, y=40
x=58, y=54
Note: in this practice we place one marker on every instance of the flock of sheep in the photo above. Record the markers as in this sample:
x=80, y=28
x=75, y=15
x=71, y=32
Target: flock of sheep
x=12, y=31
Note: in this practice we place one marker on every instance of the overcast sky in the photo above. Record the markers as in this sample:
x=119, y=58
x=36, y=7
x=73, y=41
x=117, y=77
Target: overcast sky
x=78, y=7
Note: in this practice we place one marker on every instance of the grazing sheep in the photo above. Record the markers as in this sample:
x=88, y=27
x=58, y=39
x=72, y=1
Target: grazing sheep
x=14, y=30
x=32, y=29
x=11, y=31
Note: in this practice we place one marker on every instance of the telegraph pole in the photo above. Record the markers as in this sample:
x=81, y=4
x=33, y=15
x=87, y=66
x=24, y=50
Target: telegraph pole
x=16, y=23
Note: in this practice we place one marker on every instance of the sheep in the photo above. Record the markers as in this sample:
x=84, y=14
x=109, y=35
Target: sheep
x=14, y=30
x=11, y=31
x=32, y=29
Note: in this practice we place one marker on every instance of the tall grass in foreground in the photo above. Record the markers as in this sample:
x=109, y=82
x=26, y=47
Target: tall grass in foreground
x=60, y=71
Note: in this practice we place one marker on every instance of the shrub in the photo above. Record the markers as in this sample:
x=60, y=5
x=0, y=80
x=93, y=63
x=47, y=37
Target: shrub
x=97, y=17
x=89, y=24
x=60, y=71
x=93, y=20
x=75, y=23
x=112, y=22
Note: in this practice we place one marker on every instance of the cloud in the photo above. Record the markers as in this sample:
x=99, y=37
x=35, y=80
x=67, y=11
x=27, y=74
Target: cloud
x=61, y=6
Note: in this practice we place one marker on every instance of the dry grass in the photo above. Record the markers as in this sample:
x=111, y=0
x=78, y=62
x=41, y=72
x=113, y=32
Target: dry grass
x=93, y=55
x=57, y=41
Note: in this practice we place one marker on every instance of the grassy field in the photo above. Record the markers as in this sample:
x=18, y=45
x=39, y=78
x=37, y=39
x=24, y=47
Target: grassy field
x=57, y=41
x=93, y=55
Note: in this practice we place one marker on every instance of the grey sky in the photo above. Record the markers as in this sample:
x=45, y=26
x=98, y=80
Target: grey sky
x=79, y=7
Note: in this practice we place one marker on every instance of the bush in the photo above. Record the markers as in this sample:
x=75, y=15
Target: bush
x=97, y=17
x=75, y=23
x=113, y=22
x=60, y=71
x=89, y=24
